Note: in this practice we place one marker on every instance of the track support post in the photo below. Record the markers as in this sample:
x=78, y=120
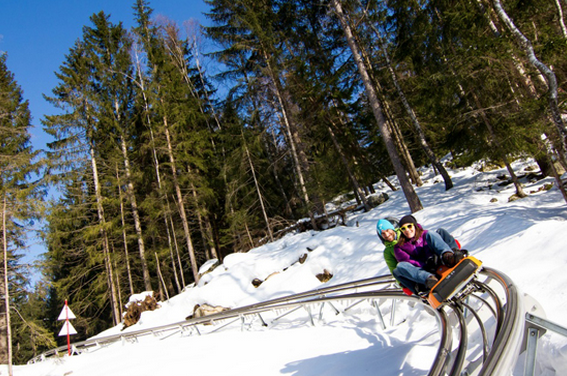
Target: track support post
x=531, y=351
x=535, y=328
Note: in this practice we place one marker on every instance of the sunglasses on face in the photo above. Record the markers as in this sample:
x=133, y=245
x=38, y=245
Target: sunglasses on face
x=406, y=226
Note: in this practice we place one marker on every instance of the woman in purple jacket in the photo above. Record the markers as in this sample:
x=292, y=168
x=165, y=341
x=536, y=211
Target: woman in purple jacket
x=415, y=247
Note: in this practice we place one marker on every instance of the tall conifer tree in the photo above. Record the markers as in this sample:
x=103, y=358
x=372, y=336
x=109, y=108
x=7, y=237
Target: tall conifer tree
x=20, y=195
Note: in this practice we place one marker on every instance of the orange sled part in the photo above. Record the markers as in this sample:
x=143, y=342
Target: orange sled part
x=453, y=280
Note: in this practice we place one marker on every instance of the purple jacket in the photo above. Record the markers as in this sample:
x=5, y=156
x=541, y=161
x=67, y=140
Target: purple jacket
x=415, y=252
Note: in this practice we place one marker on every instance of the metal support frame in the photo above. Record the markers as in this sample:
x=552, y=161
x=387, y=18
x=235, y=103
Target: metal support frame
x=531, y=351
x=337, y=312
x=308, y=310
x=262, y=319
x=377, y=306
x=287, y=313
x=393, y=312
x=225, y=325
x=354, y=304
x=535, y=328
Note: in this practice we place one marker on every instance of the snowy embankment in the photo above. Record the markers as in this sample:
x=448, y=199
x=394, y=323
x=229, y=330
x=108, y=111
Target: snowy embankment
x=524, y=239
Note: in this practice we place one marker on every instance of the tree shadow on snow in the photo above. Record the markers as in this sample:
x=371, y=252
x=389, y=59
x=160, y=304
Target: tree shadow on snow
x=386, y=356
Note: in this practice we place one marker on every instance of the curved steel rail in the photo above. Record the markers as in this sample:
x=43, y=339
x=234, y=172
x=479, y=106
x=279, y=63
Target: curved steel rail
x=507, y=343
x=499, y=312
x=497, y=356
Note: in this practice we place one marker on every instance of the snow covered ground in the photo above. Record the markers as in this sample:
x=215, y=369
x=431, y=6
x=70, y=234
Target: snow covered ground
x=525, y=239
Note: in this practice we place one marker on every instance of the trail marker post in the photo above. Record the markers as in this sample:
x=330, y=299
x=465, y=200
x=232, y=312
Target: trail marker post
x=67, y=329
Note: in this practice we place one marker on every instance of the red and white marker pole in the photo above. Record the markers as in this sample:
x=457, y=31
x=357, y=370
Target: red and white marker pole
x=67, y=329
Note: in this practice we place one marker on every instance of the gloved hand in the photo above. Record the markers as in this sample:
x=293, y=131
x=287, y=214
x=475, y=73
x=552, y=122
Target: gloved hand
x=432, y=263
x=460, y=254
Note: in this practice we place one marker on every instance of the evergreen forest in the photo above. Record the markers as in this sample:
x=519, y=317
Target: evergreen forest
x=161, y=164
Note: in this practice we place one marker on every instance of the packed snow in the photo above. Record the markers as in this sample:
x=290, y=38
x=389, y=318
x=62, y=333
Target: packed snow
x=525, y=239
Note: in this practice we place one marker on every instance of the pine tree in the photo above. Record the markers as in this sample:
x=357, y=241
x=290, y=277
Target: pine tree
x=94, y=95
x=20, y=205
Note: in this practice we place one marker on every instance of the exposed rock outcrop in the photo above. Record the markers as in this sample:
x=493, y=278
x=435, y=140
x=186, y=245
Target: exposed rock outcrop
x=201, y=310
x=135, y=308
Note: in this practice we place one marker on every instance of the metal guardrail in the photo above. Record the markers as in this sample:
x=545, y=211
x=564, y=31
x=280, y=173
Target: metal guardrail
x=371, y=283
x=498, y=356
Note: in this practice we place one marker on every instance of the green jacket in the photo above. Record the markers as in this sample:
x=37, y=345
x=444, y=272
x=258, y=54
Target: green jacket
x=389, y=252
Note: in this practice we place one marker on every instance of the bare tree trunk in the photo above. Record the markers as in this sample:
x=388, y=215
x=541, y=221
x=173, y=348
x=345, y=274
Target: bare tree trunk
x=142, y=86
x=420, y=134
x=173, y=264
x=298, y=156
x=118, y=286
x=4, y=358
x=417, y=126
x=179, y=60
x=136, y=216
x=167, y=214
x=359, y=194
x=105, y=244
x=354, y=181
x=352, y=178
x=560, y=16
x=402, y=148
x=181, y=205
x=558, y=180
x=410, y=195
x=549, y=152
x=392, y=125
x=161, y=277
x=380, y=175
x=519, y=190
x=179, y=197
x=110, y=280
x=211, y=236
x=287, y=127
x=124, y=236
x=494, y=141
x=201, y=219
x=249, y=235
x=6, y=339
x=198, y=212
x=260, y=196
x=193, y=32
x=171, y=228
x=273, y=162
x=527, y=47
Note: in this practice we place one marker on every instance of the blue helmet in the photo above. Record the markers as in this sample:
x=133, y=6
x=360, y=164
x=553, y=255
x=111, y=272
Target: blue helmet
x=385, y=224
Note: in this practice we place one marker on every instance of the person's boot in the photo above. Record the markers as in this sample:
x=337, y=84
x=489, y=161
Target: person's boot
x=451, y=259
x=431, y=281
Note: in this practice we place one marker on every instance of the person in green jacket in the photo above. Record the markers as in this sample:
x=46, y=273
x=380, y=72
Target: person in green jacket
x=387, y=231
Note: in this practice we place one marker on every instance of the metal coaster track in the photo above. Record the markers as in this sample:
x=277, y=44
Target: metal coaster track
x=488, y=314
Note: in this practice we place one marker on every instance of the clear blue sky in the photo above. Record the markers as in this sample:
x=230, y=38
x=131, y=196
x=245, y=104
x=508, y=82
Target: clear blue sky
x=37, y=34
